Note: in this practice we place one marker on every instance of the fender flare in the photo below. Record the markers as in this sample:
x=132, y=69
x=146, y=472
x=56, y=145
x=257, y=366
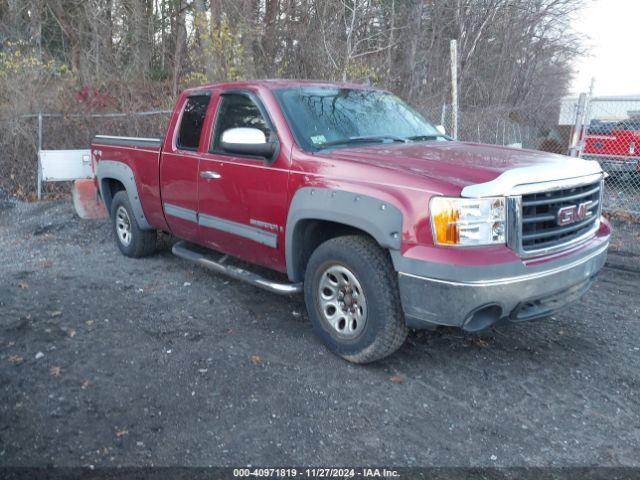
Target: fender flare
x=378, y=218
x=110, y=169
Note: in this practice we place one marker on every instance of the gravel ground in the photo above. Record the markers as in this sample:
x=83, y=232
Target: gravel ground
x=109, y=361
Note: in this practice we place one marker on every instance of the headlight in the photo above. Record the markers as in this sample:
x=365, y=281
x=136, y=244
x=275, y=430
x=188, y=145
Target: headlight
x=467, y=222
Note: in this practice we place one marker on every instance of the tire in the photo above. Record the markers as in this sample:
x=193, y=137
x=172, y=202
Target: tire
x=354, y=270
x=132, y=241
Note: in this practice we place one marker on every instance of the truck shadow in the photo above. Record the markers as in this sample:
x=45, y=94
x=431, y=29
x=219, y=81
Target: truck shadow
x=555, y=343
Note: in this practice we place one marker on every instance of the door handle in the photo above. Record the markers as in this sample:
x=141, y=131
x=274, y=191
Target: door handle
x=210, y=175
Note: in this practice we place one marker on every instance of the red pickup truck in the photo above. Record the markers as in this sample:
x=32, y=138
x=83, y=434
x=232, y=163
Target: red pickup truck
x=616, y=145
x=383, y=222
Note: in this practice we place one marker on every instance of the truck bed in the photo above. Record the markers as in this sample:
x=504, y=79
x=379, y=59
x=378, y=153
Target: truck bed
x=142, y=156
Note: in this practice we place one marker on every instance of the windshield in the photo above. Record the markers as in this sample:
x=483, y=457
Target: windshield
x=328, y=117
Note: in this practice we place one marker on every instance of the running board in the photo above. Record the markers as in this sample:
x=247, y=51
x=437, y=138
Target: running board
x=181, y=250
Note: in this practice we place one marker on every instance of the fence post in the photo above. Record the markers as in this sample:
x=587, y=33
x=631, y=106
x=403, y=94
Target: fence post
x=574, y=146
x=454, y=88
x=586, y=114
x=443, y=114
x=39, y=149
x=581, y=124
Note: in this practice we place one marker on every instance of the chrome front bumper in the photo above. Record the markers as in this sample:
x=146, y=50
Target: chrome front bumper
x=475, y=305
x=620, y=166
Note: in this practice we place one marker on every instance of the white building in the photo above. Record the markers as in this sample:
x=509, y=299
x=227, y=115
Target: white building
x=605, y=109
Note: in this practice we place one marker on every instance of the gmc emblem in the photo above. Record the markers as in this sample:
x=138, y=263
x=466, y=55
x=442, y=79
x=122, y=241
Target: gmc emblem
x=573, y=213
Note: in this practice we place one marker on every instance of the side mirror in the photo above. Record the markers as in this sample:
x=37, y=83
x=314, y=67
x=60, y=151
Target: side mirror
x=247, y=141
x=441, y=129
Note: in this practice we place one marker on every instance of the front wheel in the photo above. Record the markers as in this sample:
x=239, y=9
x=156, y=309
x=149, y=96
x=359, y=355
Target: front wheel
x=352, y=297
x=131, y=240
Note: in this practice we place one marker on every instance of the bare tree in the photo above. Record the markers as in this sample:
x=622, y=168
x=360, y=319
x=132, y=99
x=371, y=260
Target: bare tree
x=515, y=55
x=180, y=43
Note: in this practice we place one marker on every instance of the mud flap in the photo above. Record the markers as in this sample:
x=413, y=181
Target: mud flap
x=86, y=200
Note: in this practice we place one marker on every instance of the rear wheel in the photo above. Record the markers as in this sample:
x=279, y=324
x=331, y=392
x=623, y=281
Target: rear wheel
x=351, y=293
x=131, y=240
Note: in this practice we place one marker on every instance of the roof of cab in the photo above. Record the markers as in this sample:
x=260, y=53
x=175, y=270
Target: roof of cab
x=274, y=84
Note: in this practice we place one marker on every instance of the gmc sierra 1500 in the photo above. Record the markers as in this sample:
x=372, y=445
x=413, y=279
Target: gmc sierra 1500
x=383, y=221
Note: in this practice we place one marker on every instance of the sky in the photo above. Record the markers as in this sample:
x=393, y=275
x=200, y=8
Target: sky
x=612, y=43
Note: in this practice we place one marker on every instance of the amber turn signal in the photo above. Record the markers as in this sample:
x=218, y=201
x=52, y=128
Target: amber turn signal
x=468, y=221
x=445, y=226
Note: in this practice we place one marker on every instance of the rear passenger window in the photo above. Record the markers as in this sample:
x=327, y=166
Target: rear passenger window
x=192, y=121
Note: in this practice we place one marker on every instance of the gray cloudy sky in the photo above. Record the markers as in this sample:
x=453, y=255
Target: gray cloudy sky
x=613, y=43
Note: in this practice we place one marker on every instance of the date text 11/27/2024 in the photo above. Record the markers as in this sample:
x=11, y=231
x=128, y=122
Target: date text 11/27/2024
x=316, y=472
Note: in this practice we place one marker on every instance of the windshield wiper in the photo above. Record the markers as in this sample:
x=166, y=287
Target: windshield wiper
x=435, y=136
x=364, y=139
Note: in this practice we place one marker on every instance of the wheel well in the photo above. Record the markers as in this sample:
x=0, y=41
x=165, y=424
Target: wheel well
x=309, y=234
x=109, y=188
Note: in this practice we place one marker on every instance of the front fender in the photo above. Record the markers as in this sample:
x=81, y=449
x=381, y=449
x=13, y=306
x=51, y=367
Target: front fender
x=376, y=217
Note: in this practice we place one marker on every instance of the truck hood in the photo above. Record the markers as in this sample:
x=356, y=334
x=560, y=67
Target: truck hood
x=468, y=165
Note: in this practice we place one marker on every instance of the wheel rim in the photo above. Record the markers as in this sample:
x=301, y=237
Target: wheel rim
x=342, y=302
x=123, y=226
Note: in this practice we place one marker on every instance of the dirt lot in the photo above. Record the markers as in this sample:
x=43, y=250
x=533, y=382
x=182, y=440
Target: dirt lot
x=111, y=361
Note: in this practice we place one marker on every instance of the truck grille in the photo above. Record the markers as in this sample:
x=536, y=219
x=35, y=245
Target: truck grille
x=540, y=226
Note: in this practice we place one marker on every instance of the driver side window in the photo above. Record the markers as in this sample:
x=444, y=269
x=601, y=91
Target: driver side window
x=237, y=111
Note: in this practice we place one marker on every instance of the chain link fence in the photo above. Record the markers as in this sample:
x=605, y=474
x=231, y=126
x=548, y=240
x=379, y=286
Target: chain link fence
x=611, y=136
x=23, y=136
x=603, y=129
x=532, y=127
